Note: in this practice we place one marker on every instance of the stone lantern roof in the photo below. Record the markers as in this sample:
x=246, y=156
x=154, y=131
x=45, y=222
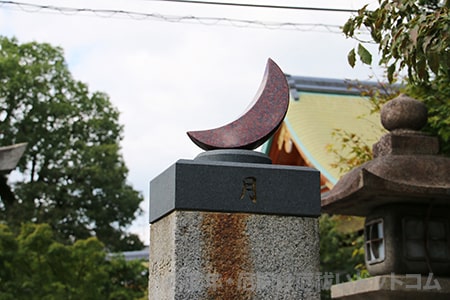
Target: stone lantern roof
x=406, y=167
x=10, y=156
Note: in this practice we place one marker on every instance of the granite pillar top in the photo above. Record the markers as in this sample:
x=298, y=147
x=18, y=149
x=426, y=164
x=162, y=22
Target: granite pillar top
x=226, y=186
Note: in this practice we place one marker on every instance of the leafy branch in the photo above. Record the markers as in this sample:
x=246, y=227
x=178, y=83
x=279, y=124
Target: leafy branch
x=412, y=35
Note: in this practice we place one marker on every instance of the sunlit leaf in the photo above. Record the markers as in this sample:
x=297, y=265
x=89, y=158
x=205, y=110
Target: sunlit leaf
x=421, y=68
x=351, y=57
x=390, y=72
x=364, y=55
x=413, y=33
x=434, y=62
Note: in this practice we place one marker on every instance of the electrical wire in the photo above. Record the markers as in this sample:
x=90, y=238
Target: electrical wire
x=261, y=5
x=110, y=13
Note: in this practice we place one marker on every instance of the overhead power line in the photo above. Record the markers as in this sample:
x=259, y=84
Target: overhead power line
x=262, y=5
x=111, y=13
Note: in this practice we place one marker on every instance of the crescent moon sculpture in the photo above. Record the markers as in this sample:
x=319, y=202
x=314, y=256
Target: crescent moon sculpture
x=256, y=124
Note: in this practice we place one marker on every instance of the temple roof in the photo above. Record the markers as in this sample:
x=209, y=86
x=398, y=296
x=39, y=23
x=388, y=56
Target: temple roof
x=317, y=107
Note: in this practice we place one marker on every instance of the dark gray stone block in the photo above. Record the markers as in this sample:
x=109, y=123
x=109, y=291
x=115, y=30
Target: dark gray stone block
x=223, y=186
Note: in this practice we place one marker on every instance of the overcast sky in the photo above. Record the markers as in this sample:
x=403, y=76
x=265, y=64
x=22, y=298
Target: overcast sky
x=168, y=76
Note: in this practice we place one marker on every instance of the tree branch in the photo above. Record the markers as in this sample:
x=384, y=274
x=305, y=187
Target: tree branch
x=6, y=194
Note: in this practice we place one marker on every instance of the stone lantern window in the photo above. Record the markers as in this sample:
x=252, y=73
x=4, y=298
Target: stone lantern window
x=374, y=241
x=436, y=235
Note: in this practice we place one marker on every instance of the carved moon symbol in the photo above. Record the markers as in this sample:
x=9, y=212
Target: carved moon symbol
x=255, y=125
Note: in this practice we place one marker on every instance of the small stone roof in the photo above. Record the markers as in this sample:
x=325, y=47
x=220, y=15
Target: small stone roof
x=10, y=156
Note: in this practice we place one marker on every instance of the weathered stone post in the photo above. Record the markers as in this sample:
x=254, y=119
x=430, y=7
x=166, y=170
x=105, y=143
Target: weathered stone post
x=241, y=229
x=229, y=224
x=404, y=193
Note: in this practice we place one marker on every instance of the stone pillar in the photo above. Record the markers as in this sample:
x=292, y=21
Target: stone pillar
x=229, y=225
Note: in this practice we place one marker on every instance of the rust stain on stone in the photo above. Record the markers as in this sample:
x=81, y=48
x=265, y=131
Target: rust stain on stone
x=227, y=259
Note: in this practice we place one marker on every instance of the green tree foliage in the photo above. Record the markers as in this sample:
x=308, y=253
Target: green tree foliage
x=72, y=175
x=357, y=150
x=412, y=35
x=34, y=265
x=436, y=96
x=341, y=252
x=349, y=149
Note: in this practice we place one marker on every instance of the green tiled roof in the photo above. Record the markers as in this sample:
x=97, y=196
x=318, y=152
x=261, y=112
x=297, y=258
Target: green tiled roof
x=312, y=117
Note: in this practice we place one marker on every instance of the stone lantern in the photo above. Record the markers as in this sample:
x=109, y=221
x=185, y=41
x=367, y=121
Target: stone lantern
x=404, y=193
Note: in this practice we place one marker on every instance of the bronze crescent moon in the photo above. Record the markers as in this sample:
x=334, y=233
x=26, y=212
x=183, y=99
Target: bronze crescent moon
x=258, y=123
